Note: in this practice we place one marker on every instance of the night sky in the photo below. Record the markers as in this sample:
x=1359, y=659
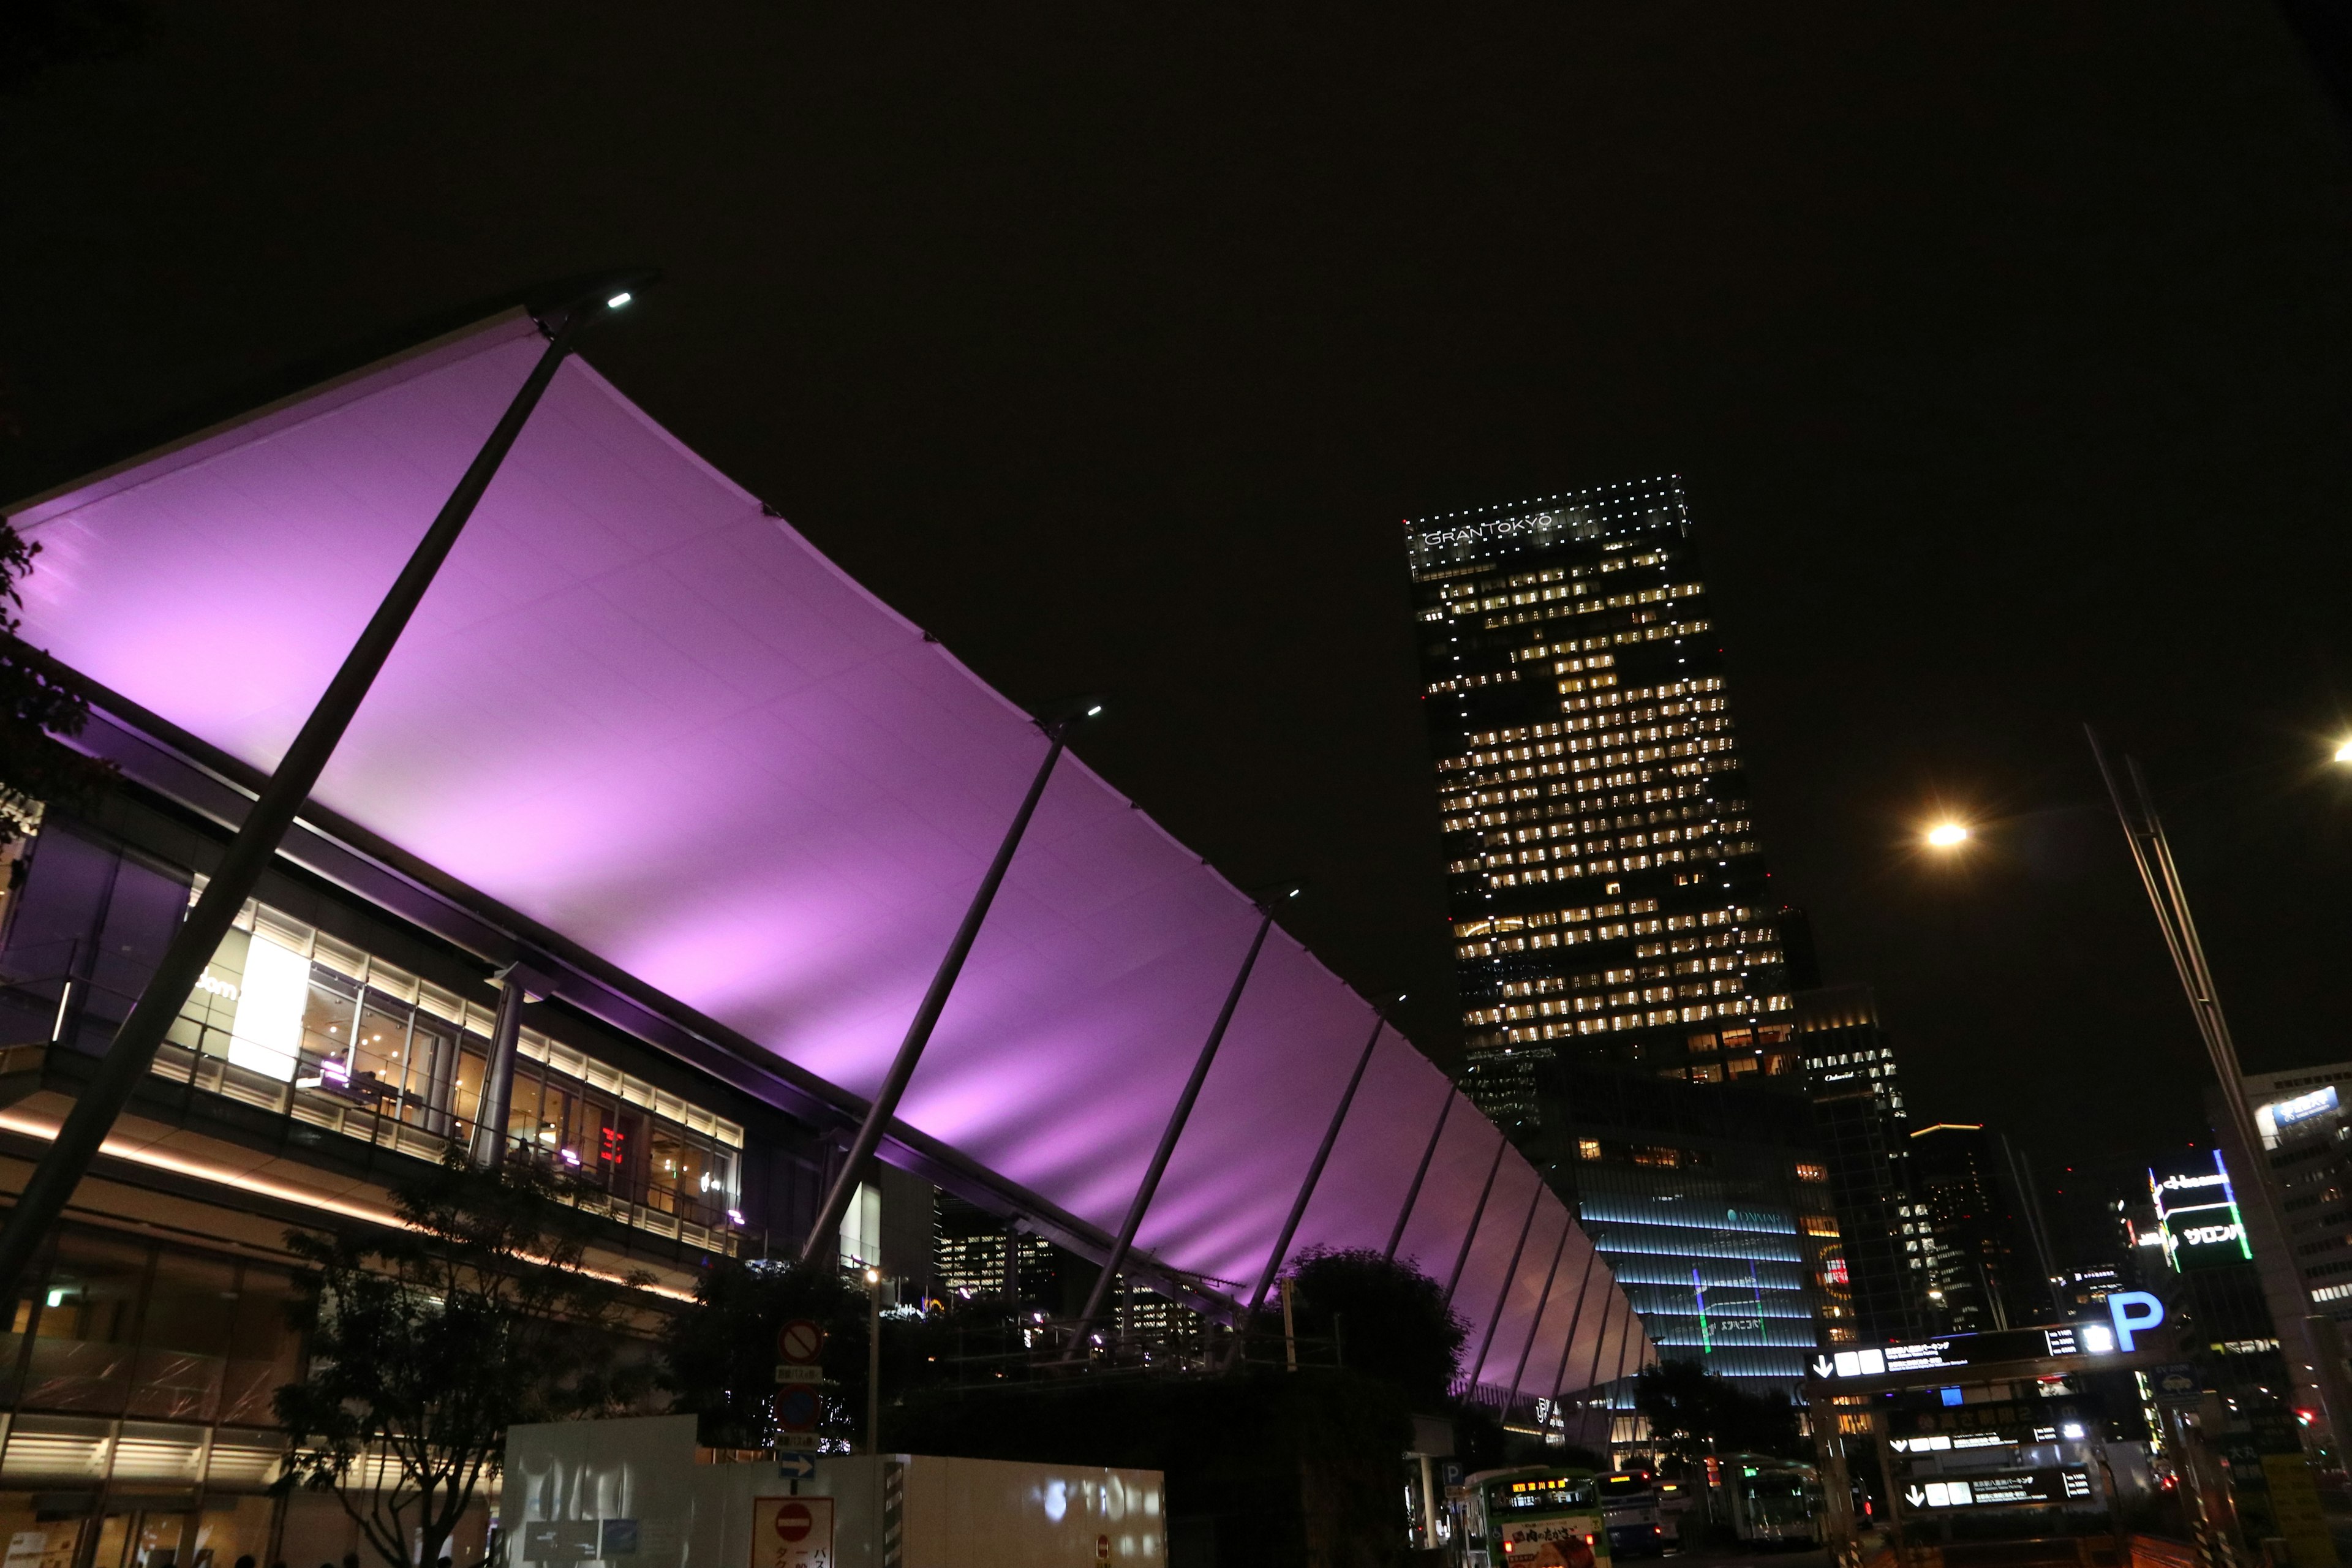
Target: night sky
x=2004, y=352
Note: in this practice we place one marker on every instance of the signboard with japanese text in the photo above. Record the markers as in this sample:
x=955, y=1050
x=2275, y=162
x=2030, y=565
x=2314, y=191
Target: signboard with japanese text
x=791, y=1532
x=2050, y=1487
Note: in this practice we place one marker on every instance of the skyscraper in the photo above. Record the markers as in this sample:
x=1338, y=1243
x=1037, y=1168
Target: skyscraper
x=1611, y=918
x=1863, y=1132
x=1607, y=893
x=1986, y=1270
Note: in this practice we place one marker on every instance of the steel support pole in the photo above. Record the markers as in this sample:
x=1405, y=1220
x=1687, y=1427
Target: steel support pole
x=1567, y=1345
x=1421, y=1170
x=132, y=1052
x=1600, y=1344
x=489, y=1143
x=1625, y=1346
x=1592, y=1373
x=927, y=1014
x=1168, y=1136
x=1567, y=1229
x=1313, y=1172
x=2152, y=855
x=1470, y=1232
x=1510, y=1278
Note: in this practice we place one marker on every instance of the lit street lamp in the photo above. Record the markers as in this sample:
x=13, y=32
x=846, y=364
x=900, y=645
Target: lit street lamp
x=1947, y=835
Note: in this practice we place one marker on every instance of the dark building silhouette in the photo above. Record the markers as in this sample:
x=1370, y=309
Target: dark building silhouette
x=1986, y=1270
x=1865, y=1139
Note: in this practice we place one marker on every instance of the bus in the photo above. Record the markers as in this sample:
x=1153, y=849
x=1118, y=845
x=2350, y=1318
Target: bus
x=1630, y=1506
x=1773, y=1500
x=1536, y=1514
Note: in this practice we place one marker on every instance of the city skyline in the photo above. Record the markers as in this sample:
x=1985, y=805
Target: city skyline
x=1948, y=469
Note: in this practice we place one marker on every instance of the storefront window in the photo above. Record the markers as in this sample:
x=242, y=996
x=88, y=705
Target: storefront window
x=84, y=1326
x=263, y=1350
x=185, y=1339
x=282, y=1001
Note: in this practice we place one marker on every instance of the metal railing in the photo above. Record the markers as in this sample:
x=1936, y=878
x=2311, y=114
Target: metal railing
x=61, y=1011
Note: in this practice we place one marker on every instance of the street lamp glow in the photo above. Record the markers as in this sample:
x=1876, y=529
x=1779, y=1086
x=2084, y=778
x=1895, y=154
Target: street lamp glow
x=618, y=300
x=2343, y=753
x=1947, y=835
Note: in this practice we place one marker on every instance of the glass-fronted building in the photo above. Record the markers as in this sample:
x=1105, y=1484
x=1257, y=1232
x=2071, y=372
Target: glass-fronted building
x=1865, y=1135
x=1707, y=1201
x=1624, y=984
x=331, y=1048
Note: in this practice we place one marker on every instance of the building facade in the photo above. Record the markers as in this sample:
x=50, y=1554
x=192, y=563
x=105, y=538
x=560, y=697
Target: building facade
x=1864, y=1134
x=1612, y=922
x=331, y=1049
x=1985, y=1271
x=1709, y=1203
x=1608, y=896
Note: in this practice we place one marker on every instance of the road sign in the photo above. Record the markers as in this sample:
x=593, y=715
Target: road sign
x=2176, y=1385
x=798, y=1442
x=792, y=1466
x=791, y=1532
x=797, y=1407
x=800, y=1340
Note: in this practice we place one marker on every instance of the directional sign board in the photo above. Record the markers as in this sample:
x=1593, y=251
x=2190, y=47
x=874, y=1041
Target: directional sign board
x=2129, y=1314
x=2048, y=1487
x=792, y=1467
x=791, y=1532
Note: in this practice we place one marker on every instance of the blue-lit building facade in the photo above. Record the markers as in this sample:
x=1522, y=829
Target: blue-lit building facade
x=1626, y=1002
x=1710, y=1204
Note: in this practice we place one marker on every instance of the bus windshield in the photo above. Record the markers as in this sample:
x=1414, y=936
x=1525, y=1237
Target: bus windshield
x=1638, y=1484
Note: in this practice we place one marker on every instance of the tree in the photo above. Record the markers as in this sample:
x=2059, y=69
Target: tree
x=1389, y=1320
x=429, y=1342
x=720, y=1355
x=1693, y=1413
x=35, y=709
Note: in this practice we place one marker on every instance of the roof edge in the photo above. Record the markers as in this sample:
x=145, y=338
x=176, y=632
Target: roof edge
x=312, y=399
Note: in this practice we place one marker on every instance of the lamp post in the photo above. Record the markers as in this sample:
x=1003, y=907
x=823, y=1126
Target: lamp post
x=873, y=1361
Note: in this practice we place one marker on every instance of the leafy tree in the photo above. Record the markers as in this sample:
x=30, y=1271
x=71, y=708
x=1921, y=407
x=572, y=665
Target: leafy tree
x=36, y=35
x=720, y=1355
x=35, y=709
x=429, y=1342
x=1693, y=1413
x=1391, y=1320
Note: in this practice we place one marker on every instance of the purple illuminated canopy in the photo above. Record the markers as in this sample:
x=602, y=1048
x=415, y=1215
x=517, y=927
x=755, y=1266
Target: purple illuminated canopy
x=651, y=718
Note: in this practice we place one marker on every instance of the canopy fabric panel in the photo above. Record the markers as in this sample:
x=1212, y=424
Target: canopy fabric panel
x=643, y=713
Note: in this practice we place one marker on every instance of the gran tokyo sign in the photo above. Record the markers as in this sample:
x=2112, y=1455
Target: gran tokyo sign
x=2130, y=1313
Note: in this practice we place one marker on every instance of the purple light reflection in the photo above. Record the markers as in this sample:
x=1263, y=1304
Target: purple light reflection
x=654, y=720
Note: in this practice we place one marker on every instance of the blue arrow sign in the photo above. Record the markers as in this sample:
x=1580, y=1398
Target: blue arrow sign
x=792, y=1467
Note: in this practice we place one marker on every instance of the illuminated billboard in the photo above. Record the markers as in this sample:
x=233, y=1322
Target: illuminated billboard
x=2197, y=1213
x=2282, y=1113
